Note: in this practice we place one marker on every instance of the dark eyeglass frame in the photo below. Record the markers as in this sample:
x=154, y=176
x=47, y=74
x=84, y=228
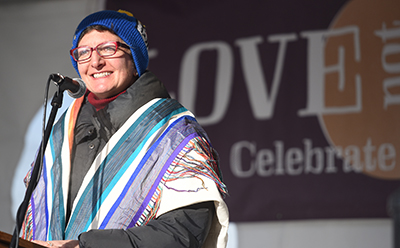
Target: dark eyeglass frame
x=116, y=43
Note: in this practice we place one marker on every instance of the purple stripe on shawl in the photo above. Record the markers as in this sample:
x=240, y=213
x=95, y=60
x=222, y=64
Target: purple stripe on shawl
x=135, y=174
x=160, y=175
x=33, y=218
x=33, y=205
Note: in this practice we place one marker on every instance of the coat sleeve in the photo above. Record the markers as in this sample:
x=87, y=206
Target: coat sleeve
x=184, y=227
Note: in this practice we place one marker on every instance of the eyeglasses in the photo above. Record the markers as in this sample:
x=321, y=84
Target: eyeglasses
x=105, y=49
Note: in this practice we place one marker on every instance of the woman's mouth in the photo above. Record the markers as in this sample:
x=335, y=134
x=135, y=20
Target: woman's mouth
x=101, y=74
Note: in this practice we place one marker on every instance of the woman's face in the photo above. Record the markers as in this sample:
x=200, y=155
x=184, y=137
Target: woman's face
x=106, y=77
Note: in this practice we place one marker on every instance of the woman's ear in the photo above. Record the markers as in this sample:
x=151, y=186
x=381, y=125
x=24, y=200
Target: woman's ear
x=135, y=71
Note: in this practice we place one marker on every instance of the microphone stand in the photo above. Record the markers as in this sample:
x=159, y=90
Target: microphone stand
x=37, y=168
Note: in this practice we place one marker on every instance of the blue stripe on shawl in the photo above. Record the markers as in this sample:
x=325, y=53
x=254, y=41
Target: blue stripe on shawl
x=57, y=221
x=46, y=184
x=51, y=140
x=133, y=156
x=160, y=175
x=143, y=161
x=134, y=126
x=117, y=149
x=111, y=154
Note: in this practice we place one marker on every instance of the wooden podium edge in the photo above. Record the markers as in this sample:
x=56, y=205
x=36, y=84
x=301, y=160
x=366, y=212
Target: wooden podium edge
x=5, y=240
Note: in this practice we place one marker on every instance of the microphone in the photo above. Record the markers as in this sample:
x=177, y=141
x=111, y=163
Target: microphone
x=75, y=86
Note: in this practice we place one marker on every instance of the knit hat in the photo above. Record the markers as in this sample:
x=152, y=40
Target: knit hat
x=126, y=26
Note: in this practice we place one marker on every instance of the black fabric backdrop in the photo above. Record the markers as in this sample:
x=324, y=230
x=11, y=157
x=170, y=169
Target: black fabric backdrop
x=258, y=151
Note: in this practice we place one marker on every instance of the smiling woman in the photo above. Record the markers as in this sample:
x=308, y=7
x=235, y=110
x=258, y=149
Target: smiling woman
x=126, y=165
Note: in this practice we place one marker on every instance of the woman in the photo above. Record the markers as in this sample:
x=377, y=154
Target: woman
x=126, y=165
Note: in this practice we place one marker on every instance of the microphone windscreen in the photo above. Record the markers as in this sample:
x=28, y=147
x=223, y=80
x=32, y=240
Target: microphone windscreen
x=82, y=89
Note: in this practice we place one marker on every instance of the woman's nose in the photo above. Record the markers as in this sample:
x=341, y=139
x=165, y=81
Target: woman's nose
x=96, y=61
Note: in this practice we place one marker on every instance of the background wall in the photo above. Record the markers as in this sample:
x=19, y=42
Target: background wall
x=36, y=38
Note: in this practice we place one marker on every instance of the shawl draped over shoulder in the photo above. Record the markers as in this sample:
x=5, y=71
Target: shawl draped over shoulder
x=159, y=160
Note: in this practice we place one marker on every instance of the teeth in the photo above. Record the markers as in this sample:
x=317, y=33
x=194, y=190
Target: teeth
x=103, y=74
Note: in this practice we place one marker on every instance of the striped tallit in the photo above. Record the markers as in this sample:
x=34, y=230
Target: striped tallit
x=123, y=187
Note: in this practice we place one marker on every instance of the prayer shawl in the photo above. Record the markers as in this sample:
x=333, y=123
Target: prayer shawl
x=125, y=185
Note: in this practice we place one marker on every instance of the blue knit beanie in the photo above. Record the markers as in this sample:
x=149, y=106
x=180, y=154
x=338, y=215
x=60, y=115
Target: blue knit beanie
x=126, y=26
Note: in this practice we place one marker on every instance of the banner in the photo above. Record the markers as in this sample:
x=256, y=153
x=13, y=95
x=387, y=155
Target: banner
x=300, y=98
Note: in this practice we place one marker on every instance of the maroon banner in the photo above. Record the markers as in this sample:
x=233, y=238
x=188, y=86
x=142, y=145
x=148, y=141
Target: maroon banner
x=300, y=98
